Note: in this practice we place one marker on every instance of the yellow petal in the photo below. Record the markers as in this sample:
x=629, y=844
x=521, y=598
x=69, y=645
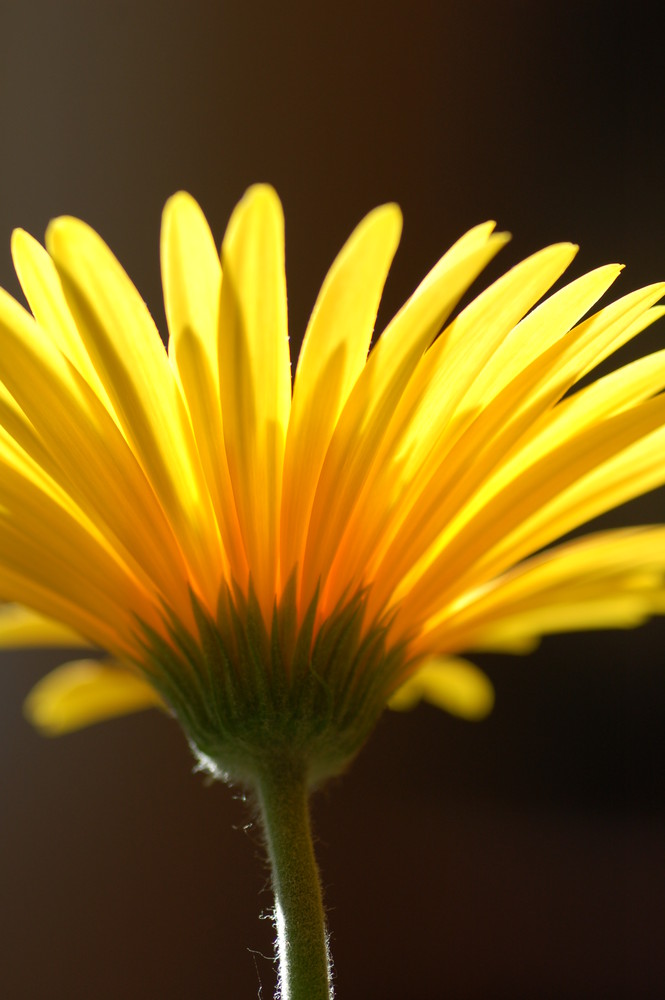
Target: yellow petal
x=42, y=576
x=130, y=359
x=603, y=466
x=538, y=330
x=43, y=290
x=609, y=395
x=83, y=692
x=444, y=396
x=363, y=422
x=19, y=584
x=191, y=276
x=255, y=378
x=613, y=579
x=501, y=443
x=72, y=436
x=451, y=683
x=332, y=357
x=21, y=627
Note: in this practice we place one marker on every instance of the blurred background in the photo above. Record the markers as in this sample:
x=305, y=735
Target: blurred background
x=522, y=857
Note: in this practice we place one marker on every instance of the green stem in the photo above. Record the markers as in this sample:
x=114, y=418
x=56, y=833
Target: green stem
x=304, y=965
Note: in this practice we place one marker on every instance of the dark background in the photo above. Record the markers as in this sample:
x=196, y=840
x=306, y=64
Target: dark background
x=519, y=858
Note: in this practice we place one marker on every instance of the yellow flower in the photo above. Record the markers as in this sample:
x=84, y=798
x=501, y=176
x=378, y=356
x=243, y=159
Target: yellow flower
x=275, y=565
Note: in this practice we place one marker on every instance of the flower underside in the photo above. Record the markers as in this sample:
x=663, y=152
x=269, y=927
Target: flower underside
x=275, y=559
x=247, y=695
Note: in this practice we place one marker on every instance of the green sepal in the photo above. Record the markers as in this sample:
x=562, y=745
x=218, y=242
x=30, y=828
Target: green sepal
x=307, y=692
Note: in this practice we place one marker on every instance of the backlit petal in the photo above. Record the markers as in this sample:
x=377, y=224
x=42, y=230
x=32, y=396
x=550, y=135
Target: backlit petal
x=21, y=627
x=83, y=692
x=362, y=424
x=331, y=359
x=450, y=683
x=254, y=376
x=613, y=579
x=192, y=276
x=131, y=362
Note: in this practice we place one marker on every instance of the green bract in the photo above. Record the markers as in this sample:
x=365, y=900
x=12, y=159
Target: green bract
x=245, y=695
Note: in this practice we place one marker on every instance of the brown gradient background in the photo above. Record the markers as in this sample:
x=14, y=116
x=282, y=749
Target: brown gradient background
x=522, y=858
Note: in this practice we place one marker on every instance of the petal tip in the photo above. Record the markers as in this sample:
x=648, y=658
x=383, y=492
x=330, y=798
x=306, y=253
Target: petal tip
x=181, y=201
x=59, y=230
x=263, y=200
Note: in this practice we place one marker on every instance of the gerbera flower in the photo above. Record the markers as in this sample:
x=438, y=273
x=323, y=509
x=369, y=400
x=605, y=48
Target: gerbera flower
x=275, y=566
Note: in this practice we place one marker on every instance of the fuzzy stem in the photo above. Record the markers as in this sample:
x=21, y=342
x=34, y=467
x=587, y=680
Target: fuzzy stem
x=304, y=965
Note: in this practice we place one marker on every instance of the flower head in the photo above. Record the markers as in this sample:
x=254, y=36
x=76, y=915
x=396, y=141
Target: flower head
x=273, y=564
